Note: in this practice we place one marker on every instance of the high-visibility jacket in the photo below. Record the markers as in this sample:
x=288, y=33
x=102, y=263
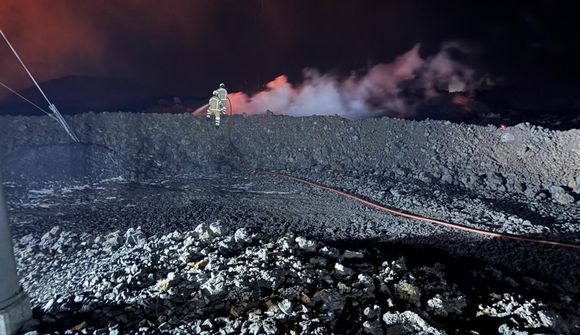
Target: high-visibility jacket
x=215, y=105
x=222, y=94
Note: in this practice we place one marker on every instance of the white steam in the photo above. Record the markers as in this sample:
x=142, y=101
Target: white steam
x=383, y=90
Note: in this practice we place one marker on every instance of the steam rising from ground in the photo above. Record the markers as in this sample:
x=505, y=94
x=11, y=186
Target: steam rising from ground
x=393, y=89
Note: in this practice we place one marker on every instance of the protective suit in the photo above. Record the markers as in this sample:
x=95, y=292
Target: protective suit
x=216, y=108
x=223, y=96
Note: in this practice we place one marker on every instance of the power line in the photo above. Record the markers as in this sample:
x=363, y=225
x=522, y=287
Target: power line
x=30, y=102
x=56, y=114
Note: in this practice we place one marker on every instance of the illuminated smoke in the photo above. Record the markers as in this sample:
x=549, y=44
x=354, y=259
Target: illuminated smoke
x=58, y=38
x=382, y=90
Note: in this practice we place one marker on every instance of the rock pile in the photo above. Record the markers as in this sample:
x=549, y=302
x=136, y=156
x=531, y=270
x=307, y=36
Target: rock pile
x=523, y=159
x=209, y=281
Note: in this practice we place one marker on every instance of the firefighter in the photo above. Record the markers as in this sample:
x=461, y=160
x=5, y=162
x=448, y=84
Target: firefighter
x=216, y=108
x=223, y=96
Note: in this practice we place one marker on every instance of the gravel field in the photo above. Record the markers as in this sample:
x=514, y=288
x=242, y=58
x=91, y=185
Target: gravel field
x=137, y=230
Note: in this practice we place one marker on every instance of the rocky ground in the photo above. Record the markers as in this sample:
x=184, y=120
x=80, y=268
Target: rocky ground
x=136, y=229
x=523, y=159
x=206, y=281
x=57, y=263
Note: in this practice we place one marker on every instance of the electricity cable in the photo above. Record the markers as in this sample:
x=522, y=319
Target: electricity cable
x=30, y=102
x=57, y=116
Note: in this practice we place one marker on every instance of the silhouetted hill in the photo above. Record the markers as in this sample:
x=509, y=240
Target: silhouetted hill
x=78, y=94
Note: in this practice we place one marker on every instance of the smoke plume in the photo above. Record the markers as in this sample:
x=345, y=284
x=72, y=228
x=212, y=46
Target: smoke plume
x=393, y=89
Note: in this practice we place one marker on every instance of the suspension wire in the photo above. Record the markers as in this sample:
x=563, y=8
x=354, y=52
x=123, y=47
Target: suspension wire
x=24, y=66
x=58, y=117
x=30, y=102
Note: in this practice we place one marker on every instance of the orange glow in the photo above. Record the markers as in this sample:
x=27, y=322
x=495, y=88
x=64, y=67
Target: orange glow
x=464, y=100
x=238, y=102
x=59, y=38
x=52, y=40
x=277, y=82
x=461, y=100
x=274, y=98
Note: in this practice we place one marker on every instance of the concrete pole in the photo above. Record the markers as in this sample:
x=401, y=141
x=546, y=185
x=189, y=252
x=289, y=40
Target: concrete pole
x=14, y=305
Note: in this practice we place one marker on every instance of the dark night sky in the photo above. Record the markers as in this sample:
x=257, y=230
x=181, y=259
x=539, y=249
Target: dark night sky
x=186, y=47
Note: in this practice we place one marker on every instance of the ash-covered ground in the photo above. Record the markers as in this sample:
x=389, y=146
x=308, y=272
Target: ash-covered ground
x=153, y=225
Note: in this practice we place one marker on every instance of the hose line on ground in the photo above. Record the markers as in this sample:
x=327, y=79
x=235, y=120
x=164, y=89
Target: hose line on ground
x=390, y=210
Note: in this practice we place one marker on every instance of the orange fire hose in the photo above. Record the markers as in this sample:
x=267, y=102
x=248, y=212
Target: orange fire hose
x=390, y=210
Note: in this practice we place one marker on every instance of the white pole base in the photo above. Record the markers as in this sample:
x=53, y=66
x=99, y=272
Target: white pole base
x=15, y=315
